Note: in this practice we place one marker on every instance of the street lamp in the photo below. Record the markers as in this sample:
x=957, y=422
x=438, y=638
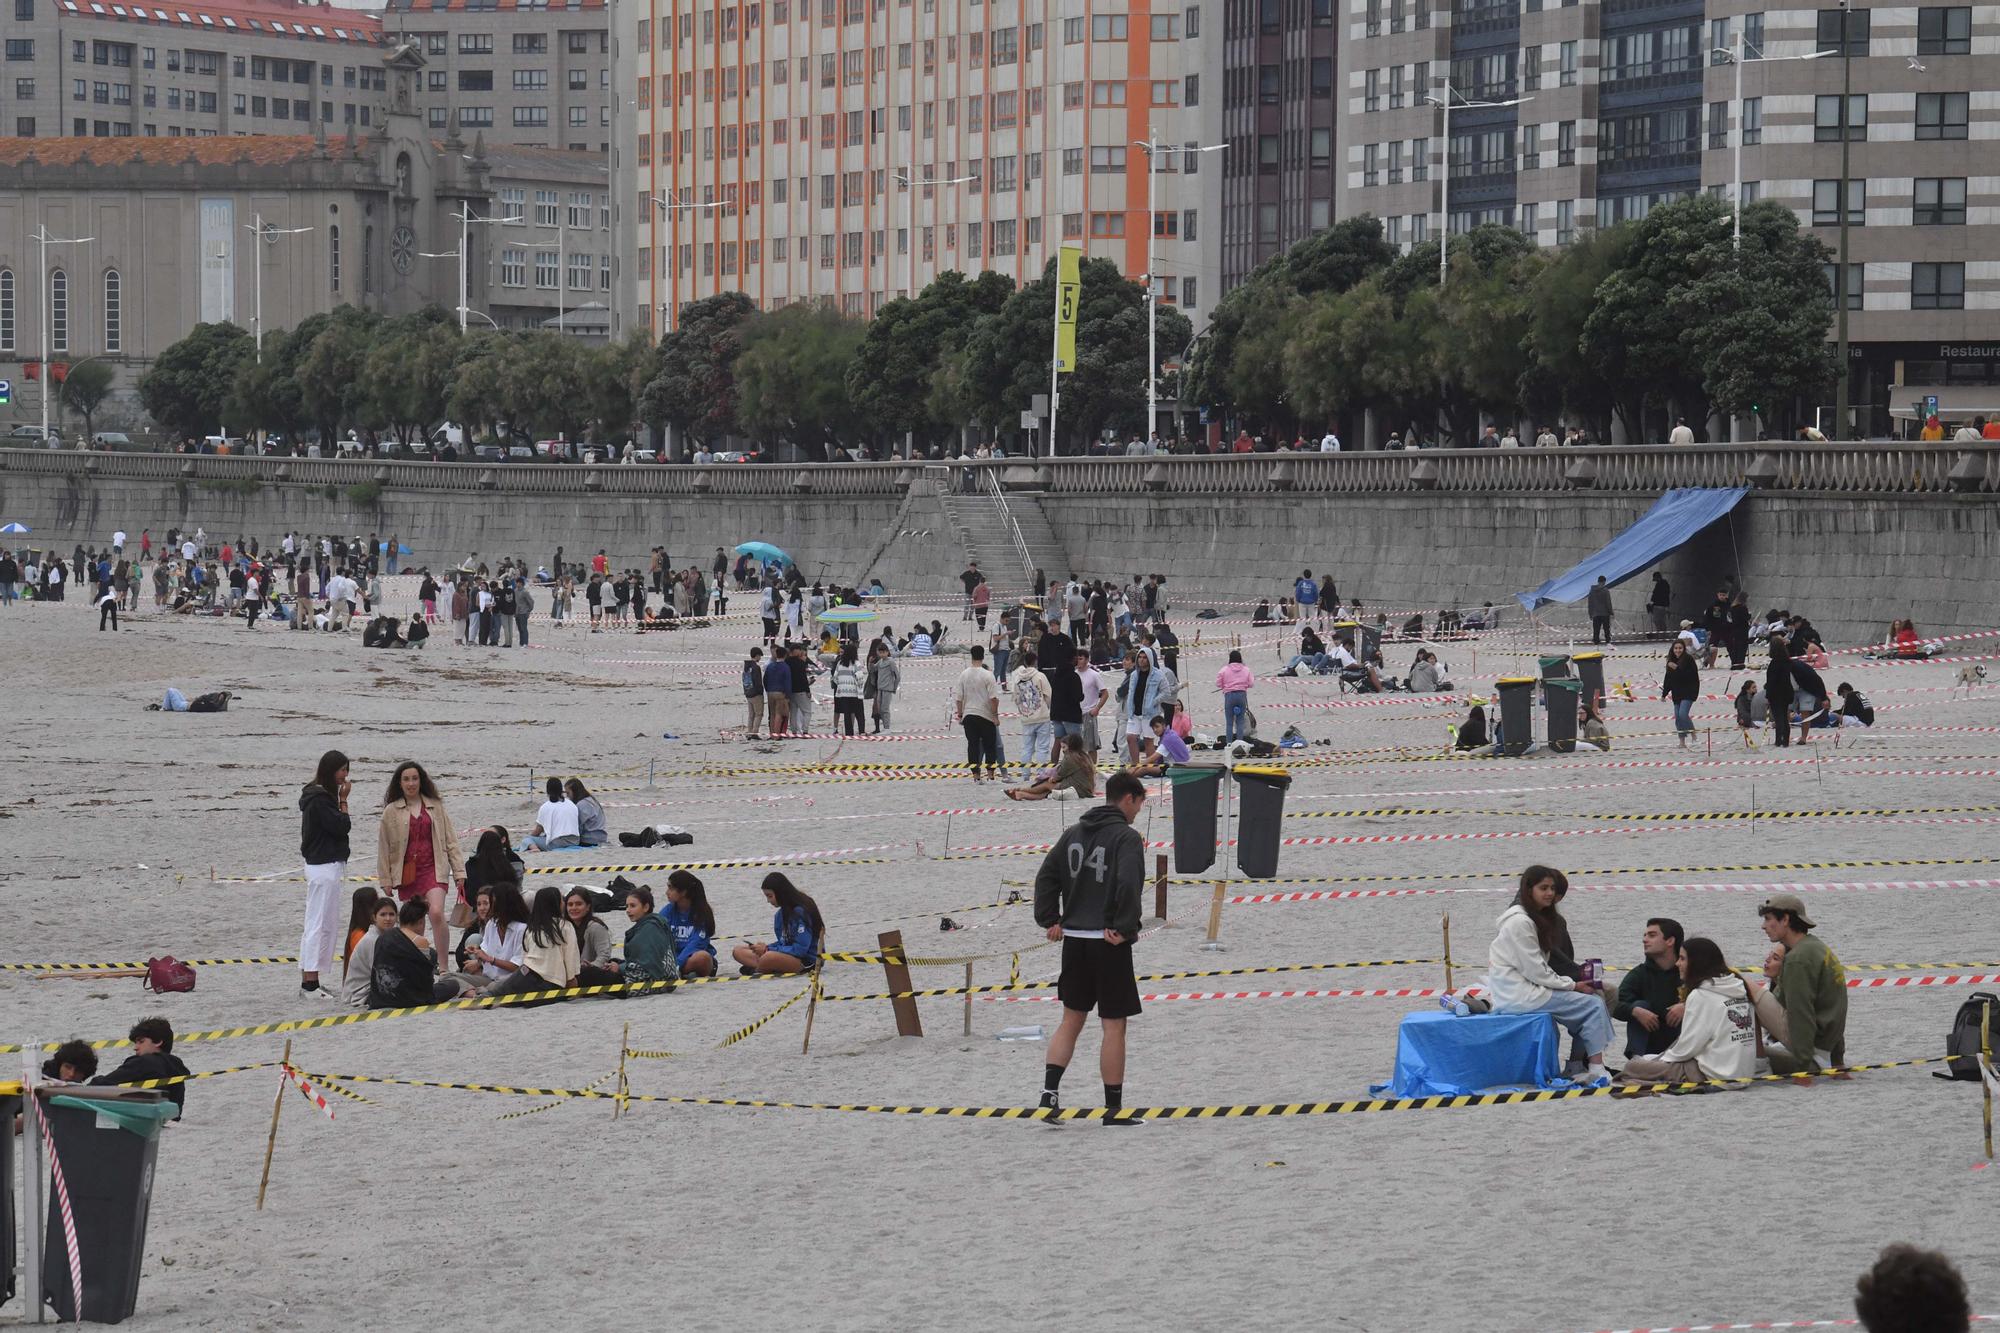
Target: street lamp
x=1444, y=176
x=1842, y=389
x=465, y=224
x=44, y=240
x=674, y=250
x=266, y=235
x=1152, y=148
x=1736, y=54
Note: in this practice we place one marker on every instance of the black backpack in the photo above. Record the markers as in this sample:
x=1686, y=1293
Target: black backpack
x=1962, y=1044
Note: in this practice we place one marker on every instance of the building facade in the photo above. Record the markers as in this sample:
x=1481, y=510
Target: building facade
x=531, y=72
x=850, y=150
x=1282, y=121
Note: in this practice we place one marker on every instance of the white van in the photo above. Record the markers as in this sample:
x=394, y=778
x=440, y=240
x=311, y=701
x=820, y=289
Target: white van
x=449, y=433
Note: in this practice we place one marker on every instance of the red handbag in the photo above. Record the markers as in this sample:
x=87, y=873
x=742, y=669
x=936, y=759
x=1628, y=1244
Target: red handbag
x=168, y=974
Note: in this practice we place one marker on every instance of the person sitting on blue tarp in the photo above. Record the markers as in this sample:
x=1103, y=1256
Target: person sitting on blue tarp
x=1520, y=978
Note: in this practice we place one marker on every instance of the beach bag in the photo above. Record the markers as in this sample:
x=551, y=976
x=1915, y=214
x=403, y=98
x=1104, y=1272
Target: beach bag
x=215, y=702
x=169, y=974
x=1961, y=1045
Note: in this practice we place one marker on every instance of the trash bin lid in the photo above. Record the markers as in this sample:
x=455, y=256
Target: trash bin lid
x=1180, y=775
x=1515, y=682
x=1276, y=777
x=1555, y=660
x=141, y=1118
x=1587, y=657
x=1573, y=686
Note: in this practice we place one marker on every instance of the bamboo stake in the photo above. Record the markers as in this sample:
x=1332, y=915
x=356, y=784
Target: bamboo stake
x=1986, y=1058
x=618, y=1105
x=812, y=1009
x=271, y=1144
x=1215, y=913
x=968, y=999
x=1447, y=950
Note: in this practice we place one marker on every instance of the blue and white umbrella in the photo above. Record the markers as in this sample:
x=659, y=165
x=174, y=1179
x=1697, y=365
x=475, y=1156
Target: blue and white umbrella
x=15, y=529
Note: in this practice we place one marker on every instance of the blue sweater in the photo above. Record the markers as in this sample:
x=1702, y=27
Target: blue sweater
x=791, y=932
x=689, y=939
x=778, y=677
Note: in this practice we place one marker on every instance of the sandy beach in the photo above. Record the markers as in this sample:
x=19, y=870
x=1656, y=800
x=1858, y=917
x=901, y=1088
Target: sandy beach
x=132, y=833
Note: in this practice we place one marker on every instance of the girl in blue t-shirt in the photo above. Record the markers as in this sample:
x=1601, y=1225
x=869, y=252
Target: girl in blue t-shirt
x=692, y=923
x=796, y=929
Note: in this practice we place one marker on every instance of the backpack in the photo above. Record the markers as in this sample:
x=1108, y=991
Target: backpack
x=1961, y=1045
x=216, y=702
x=753, y=680
x=170, y=974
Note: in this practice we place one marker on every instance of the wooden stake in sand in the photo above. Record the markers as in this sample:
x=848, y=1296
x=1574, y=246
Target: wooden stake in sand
x=1160, y=885
x=1985, y=1077
x=1215, y=917
x=897, y=972
x=624, y=1049
x=812, y=1010
x=271, y=1144
x=968, y=999
x=1447, y=950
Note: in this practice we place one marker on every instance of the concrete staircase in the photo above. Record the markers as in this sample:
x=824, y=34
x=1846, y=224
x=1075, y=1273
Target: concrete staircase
x=986, y=523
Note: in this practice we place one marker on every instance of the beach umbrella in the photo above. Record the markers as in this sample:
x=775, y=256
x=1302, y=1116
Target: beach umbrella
x=847, y=615
x=400, y=548
x=16, y=529
x=765, y=552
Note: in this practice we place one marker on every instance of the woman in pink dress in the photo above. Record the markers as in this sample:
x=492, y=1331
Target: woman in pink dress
x=417, y=849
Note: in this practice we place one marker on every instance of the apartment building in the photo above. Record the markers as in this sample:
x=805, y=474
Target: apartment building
x=850, y=150
x=96, y=69
x=1281, y=120
x=1569, y=116
x=536, y=73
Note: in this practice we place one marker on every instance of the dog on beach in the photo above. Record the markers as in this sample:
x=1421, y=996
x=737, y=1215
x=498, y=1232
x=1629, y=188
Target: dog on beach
x=1972, y=675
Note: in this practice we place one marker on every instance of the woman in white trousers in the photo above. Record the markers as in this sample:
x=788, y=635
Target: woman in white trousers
x=323, y=830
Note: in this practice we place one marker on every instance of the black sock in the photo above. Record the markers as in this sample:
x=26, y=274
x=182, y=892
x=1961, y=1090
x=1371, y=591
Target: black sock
x=1051, y=1077
x=1114, y=1096
x=308, y=985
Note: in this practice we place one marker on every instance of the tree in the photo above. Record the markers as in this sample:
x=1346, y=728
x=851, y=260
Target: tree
x=1337, y=259
x=1633, y=336
x=614, y=377
x=894, y=376
x=331, y=374
x=693, y=384
x=409, y=374
x=1560, y=379
x=792, y=376
x=188, y=385
x=84, y=390
x=1756, y=327
x=266, y=394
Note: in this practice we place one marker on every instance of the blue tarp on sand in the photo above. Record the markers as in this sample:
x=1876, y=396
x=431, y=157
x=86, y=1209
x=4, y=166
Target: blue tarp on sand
x=1672, y=521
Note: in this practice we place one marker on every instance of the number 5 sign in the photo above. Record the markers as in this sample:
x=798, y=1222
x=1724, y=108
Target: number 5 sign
x=1069, y=294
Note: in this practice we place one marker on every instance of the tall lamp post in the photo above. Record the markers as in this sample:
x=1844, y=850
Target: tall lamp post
x=1842, y=388
x=1444, y=103
x=265, y=236
x=44, y=241
x=1737, y=53
x=1153, y=148
x=673, y=210
x=465, y=224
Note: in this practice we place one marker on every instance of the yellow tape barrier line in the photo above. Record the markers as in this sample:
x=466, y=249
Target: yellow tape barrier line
x=93, y=967
x=188, y=1078
x=757, y=863
x=746, y=1031
x=561, y=1101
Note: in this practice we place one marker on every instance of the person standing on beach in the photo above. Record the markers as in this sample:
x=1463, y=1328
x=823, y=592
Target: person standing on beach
x=416, y=848
x=323, y=830
x=976, y=705
x=1087, y=895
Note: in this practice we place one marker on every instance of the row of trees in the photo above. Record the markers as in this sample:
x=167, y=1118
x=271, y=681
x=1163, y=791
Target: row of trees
x=1663, y=315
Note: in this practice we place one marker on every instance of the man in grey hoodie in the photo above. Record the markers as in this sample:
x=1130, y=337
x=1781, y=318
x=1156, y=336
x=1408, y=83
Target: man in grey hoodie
x=1087, y=894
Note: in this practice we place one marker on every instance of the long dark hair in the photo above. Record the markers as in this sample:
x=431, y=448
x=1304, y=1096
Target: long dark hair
x=1705, y=963
x=361, y=916
x=509, y=908
x=1546, y=922
x=328, y=773
x=696, y=894
x=577, y=791
x=545, y=917
x=491, y=858
x=790, y=899
x=425, y=787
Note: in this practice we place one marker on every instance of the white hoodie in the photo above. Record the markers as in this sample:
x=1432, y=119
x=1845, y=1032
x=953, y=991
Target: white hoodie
x=1718, y=1030
x=1519, y=979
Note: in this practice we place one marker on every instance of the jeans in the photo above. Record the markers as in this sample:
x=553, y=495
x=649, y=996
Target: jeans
x=1235, y=707
x=542, y=843
x=1036, y=740
x=1318, y=663
x=521, y=620
x=802, y=711
x=1638, y=1041
x=982, y=743
x=7, y=593
x=507, y=619
x=1001, y=656
x=1683, y=715
x=1582, y=1014
x=1600, y=625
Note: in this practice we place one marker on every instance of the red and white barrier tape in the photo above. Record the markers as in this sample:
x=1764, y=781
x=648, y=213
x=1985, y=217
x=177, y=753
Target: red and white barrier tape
x=1337, y=895
x=1432, y=992
x=299, y=1081
x=62, y=1206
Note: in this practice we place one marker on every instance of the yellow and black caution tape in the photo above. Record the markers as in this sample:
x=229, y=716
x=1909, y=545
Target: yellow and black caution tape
x=349, y=1093
x=652, y=1055
x=1150, y=976
x=588, y=1088
x=747, y=1030
x=94, y=967
x=574, y=871
x=188, y=1078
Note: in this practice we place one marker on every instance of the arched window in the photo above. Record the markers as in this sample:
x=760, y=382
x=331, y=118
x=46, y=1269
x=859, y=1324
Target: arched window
x=58, y=311
x=114, y=311
x=333, y=258
x=6, y=309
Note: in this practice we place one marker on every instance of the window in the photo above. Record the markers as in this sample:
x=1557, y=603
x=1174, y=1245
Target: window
x=1107, y=224
x=1166, y=92
x=513, y=268
x=1941, y=115
x=59, y=311
x=114, y=312
x=581, y=267
x=6, y=309
x=1566, y=144
x=1107, y=92
x=1371, y=173
x=1753, y=35
x=1566, y=67
x=1826, y=203
x=1319, y=146
x=478, y=80
x=20, y=48
x=1531, y=69
x=1940, y=201
x=333, y=258
x=1107, y=161
x=1420, y=159
x=525, y=80
x=513, y=204
x=1827, y=122
x=1107, y=27
x=1072, y=36
x=1854, y=278
x=1944, y=32
x=1267, y=152
x=546, y=272
x=547, y=203
x=1531, y=151
x=1753, y=120
x=1322, y=81
x=1072, y=161
x=1565, y=221
x=579, y=42
x=525, y=43
x=479, y=43
x=1857, y=31
x=531, y=116
x=1371, y=100
x=1937, y=286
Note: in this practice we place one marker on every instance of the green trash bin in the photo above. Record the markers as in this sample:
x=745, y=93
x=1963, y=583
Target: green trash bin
x=1555, y=666
x=1561, y=698
x=1517, y=713
x=1590, y=671
x=1196, y=787
x=1260, y=819
x=106, y=1144
x=10, y=1106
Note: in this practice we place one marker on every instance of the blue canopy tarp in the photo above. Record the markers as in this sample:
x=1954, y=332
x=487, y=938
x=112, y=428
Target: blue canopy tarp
x=1673, y=521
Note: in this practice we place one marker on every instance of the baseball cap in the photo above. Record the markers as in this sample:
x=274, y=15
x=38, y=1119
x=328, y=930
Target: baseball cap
x=1787, y=902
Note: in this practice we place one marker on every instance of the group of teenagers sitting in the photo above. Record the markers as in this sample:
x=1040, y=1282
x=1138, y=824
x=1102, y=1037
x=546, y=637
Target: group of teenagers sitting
x=556, y=941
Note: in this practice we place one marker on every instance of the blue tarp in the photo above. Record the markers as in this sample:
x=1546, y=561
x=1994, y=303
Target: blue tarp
x=1673, y=521
x=1440, y=1055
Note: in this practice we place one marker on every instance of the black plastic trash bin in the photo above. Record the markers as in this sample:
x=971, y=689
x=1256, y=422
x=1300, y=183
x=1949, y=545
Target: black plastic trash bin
x=1517, y=713
x=1196, y=787
x=10, y=1106
x=1555, y=666
x=1561, y=697
x=1260, y=819
x=106, y=1145
x=1590, y=671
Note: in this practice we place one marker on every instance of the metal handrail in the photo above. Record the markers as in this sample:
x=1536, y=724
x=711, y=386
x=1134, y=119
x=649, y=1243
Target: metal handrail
x=989, y=481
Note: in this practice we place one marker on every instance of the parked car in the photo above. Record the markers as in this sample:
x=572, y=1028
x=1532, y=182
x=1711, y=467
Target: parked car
x=34, y=433
x=111, y=439
x=643, y=455
x=520, y=453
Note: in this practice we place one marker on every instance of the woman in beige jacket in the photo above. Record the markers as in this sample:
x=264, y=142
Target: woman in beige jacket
x=416, y=849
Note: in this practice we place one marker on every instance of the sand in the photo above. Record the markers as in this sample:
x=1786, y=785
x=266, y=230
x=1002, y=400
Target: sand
x=1761, y=1204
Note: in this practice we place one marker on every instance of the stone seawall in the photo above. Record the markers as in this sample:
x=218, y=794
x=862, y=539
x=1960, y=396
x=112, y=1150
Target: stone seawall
x=1853, y=562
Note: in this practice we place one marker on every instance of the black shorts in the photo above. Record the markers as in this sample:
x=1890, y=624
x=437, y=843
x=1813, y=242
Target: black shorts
x=1097, y=975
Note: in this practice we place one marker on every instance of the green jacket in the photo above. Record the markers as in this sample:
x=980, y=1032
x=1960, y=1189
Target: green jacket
x=649, y=951
x=1813, y=988
x=1659, y=989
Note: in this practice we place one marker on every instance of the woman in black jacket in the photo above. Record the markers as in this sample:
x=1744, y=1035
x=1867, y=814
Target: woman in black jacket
x=323, y=829
x=1778, y=689
x=1683, y=685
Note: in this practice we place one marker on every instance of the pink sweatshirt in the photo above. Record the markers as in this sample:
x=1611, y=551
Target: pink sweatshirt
x=1233, y=676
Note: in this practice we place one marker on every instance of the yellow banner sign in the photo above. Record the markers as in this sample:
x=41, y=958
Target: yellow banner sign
x=1069, y=293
